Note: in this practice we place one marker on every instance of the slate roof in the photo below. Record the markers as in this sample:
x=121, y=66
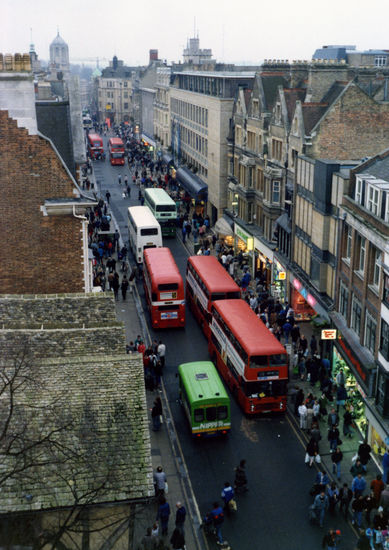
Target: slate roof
x=270, y=83
x=379, y=167
x=291, y=96
x=94, y=398
x=312, y=113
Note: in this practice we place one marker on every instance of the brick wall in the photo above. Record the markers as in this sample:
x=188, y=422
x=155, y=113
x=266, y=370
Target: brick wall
x=40, y=254
x=355, y=127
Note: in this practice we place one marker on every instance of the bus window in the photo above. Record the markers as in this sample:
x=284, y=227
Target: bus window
x=210, y=413
x=257, y=361
x=198, y=415
x=166, y=208
x=168, y=286
x=222, y=412
x=278, y=359
x=149, y=231
x=218, y=296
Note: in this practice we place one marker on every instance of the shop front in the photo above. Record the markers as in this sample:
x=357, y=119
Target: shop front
x=279, y=281
x=264, y=263
x=302, y=302
x=355, y=392
x=244, y=242
x=360, y=374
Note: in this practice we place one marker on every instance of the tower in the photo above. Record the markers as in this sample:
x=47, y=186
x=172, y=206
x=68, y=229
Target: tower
x=59, y=56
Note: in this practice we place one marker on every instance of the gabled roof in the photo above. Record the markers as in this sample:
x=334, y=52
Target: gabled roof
x=377, y=166
x=312, y=113
x=270, y=83
x=291, y=96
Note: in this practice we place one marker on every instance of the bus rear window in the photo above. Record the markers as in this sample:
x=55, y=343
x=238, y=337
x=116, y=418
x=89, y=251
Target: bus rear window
x=278, y=359
x=222, y=412
x=117, y=155
x=218, y=296
x=166, y=208
x=168, y=286
x=211, y=413
x=149, y=231
x=231, y=295
x=258, y=361
x=270, y=388
x=198, y=415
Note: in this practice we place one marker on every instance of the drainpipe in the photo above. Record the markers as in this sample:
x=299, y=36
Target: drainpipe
x=87, y=277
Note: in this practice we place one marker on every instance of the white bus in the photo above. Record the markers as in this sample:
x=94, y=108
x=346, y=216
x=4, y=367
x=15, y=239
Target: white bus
x=143, y=231
x=164, y=209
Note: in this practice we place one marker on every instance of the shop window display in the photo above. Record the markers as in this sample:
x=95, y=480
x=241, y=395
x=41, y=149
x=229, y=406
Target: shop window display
x=355, y=399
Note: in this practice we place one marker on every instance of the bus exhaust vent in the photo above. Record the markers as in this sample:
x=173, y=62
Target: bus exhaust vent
x=201, y=376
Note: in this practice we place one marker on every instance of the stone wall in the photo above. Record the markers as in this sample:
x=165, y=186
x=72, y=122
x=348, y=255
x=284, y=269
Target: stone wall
x=63, y=342
x=73, y=309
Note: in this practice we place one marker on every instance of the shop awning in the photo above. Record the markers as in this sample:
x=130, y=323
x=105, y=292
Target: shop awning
x=223, y=227
x=192, y=184
x=284, y=222
x=168, y=159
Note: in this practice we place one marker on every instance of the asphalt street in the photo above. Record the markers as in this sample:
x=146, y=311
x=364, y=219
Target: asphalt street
x=273, y=514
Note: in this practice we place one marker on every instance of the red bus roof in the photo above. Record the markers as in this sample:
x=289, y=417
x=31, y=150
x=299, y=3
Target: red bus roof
x=116, y=141
x=254, y=337
x=161, y=265
x=215, y=277
x=94, y=137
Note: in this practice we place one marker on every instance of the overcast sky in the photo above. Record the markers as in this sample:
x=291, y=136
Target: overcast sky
x=237, y=32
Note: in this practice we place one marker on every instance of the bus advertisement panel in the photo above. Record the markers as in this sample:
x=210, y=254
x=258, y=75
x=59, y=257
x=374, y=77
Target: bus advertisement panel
x=143, y=231
x=206, y=282
x=204, y=399
x=164, y=209
x=95, y=146
x=249, y=357
x=164, y=288
x=116, y=151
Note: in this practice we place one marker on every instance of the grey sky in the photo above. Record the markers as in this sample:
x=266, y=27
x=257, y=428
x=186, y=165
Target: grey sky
x=236, y=31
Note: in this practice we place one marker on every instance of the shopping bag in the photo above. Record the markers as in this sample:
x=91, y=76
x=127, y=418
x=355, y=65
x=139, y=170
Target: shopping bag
x=232, y=504
x=166, y=488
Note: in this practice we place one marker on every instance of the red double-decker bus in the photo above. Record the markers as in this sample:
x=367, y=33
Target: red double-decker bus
x=249, y=357
x=164, y=288
x=116, y=151
x=95, y=146
x=206, y=282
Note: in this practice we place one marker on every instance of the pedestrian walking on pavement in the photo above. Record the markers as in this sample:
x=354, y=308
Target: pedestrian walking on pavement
x=227, y=495
x=377, y=486
x=345, y=497
x=160, y=480
x=177, y=540
x=358, y=486
x=163, y=515
x=148, y=542
x=116, y=285
x=337, y=457
x=124, y=287
x=333, y=437
x=119, y=179
x=107, y=196
x=161, y=351
x=126, y=180
x=357, y=507
x=217, y=516
x=331, y=540
x=320, y=506
x=180, y=516
x=128, y=191
x=156, y=415
x=240, y=483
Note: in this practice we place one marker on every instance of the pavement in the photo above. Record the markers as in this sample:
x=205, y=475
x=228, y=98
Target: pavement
x=165, y=446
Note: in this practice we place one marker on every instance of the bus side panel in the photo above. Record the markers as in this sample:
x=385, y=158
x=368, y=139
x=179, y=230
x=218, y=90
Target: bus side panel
x=192, y=300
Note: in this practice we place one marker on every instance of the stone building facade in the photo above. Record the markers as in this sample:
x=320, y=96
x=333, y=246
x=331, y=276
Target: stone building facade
x=114, y=89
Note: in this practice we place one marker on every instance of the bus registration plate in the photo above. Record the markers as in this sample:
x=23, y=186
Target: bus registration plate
x=169, y=315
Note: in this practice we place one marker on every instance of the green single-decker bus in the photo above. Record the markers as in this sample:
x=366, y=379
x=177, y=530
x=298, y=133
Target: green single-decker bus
x=163, y=208
x=204, y=399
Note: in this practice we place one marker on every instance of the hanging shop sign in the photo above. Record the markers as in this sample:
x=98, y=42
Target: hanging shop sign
x=304, y=292
x=328, y=334
x=239, y=232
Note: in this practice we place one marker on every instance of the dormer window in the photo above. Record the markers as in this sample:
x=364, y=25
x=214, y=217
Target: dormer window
x=373, y=196
x=358, y=190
